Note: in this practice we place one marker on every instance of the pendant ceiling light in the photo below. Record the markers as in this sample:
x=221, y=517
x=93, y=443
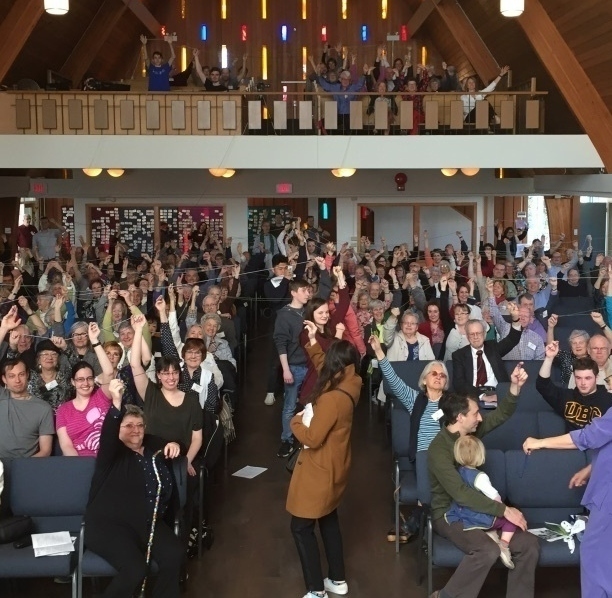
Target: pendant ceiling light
x=512, y=8
x=470, y=171
x=92, y=171
x=226, y=173
x=343, y=172
x=449, y=171
x=115, y=172
x=57, y=7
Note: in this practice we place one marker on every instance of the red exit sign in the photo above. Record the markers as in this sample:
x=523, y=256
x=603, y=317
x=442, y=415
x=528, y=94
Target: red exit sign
x=38, y=188
x=284, y=188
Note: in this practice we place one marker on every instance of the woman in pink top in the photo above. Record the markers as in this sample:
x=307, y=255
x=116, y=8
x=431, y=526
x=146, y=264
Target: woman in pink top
x=78, y=422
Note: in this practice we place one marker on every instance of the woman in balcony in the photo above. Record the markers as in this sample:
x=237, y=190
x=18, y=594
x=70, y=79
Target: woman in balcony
x=471, y=96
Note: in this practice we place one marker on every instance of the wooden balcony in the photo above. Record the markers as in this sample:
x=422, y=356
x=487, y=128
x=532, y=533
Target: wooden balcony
x=239, y=113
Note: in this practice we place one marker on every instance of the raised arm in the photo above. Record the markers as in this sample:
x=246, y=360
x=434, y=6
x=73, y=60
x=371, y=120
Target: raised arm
x=140, y=379
x=198, y=66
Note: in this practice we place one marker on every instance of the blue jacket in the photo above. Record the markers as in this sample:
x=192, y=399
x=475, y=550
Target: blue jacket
x=470, y=519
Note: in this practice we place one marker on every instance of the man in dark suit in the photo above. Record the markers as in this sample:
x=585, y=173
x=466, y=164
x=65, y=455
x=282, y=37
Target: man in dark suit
x=479, y=366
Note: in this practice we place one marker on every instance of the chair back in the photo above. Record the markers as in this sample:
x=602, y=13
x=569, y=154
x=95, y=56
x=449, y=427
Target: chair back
x=512, y=433
x=550, y=424
x=400, y=432
x=538, y=484
x=53, y=491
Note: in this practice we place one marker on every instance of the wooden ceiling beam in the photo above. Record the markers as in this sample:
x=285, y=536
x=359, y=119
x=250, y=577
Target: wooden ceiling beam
x=567, y=72
x=475, y=50
x=16, y=29
x=89, y=46
x=420, y=15
x=143, y=14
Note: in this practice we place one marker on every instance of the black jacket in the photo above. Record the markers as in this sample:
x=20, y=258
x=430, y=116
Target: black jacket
x=117, y=490
x=463, y=364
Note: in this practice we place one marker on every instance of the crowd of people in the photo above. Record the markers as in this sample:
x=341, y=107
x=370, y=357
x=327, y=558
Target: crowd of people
x=96, y=343
x=337, y=74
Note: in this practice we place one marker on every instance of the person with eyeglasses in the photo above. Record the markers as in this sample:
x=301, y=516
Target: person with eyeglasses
x=478, y=367
x=122, y=511
x=422, y=403
x=77, y=347
x=79, y=422
x=49, y=381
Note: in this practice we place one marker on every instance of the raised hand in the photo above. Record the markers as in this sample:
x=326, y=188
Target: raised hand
x=340, y=328
x=10, y=321
x=59, y=342
x=598, y=318
x=553, y=320
x=116, y=388
x=519, y=375
x=311, y=327
x=395, y=312
x=94, y=332
x=138, y=322
x=552, y=350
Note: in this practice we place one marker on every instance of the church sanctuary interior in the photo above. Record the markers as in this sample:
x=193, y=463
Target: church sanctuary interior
x=357, y=135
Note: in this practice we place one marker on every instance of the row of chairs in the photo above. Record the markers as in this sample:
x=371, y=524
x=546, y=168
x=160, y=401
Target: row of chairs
x=54, y=492
x=520, y=481
x=536, y=484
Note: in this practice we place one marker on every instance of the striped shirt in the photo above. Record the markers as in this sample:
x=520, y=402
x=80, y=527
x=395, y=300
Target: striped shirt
x=428, y=427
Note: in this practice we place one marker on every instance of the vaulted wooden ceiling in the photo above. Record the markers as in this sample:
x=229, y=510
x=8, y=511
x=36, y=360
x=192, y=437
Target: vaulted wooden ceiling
x=565, y=44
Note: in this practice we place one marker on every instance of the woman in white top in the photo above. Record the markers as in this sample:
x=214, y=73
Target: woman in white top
x=457, y=337
x=472, y=96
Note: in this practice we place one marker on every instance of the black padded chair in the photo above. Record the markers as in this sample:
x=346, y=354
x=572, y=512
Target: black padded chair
x=54, y=492
x=440, y=551
x=405, y=492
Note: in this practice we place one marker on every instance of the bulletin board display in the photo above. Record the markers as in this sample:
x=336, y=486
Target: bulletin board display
x=68, y=222
x=134, y=226
x=259, y=213
x=183, y=220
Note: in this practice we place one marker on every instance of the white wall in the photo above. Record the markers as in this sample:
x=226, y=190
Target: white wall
x=442, y=220
x=301, y=152
x=394, y=223
x=442, y=223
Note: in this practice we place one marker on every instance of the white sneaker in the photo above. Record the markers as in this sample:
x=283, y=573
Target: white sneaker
x=270, y=399
x=313, y=595
x=335, y=587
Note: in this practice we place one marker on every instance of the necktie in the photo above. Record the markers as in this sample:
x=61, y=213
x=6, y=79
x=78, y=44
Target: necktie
x=481, y=370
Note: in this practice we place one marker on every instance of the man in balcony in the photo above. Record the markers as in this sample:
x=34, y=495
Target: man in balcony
x=158, y=70
x=213, y=81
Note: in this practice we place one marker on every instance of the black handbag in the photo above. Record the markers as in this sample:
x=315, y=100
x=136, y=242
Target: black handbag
x=293, y=459
x=15, y=528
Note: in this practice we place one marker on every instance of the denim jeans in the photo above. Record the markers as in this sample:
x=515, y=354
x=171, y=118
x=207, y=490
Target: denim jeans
x=291, y=397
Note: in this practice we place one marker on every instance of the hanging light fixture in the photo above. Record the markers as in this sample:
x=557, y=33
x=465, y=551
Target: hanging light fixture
x=229, y=172
x=511, y=8
x=92, y=171
x=343, y=172
x=57, y=7
x=470, y=171
x=449, y=171
x=217, y=171
x=115, y=172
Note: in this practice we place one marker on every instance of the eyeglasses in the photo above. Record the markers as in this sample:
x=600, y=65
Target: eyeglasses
x=193, y=352
x=89, y=380
x=79, y=334
x=438, y=374
x=475, y=334
x=169, y=374
x=45, y=354
x=131, y=427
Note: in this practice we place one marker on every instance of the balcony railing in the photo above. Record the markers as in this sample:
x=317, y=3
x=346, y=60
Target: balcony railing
x=253, y=113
